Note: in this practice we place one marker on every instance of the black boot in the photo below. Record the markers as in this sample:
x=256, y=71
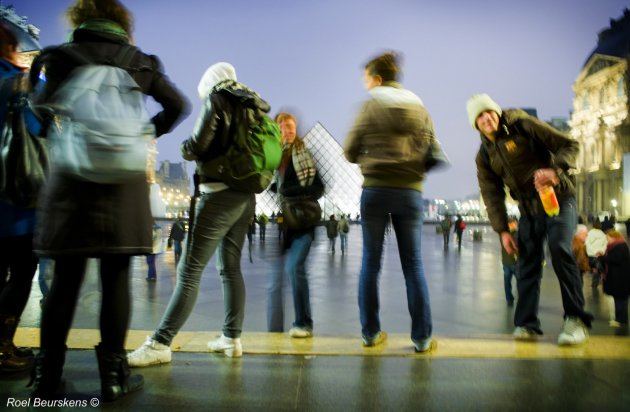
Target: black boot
x=46, y=375
x=12, y=359
x=116, y=379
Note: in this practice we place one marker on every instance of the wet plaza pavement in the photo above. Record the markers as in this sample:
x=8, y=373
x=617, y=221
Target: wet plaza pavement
x=477, y=366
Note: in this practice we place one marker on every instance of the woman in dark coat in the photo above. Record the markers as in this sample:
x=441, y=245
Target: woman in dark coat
x=616, y=277
x=82, y=219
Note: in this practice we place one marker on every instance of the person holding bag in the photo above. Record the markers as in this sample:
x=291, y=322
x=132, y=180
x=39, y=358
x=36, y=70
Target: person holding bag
x=298, y=186
x=17, y=223
x=81, y=219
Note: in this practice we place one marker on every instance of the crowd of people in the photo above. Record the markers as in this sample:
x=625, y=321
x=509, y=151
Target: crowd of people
x=391, y=140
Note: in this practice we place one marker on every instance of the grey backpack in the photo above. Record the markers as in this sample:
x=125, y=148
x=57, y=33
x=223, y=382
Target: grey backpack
x=101, y=130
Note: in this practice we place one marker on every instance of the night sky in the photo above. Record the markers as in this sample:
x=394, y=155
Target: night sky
x=308, y=56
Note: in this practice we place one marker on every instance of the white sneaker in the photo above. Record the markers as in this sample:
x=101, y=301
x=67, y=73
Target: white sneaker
x=573, y=333
x=151, y=352
x=230, y=346
x=614, y=324
x=524, y=333
x=297, y=332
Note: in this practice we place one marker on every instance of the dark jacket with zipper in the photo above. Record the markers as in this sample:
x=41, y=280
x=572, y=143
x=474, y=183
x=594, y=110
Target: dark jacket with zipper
x=523, y=145
x=83, y=218
x=222, y=116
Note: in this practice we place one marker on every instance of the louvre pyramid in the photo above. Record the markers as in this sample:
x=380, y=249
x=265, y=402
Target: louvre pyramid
x=342, y=179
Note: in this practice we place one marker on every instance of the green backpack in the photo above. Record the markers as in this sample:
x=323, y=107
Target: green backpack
x=250, y=159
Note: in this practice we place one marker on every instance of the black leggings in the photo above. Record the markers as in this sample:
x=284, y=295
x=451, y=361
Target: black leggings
x=62, y=301
x=16, y=257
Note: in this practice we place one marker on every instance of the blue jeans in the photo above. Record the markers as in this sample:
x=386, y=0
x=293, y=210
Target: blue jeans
x=343, y=240
x=509, y=270
x=558, y=230
x=275, y=295
x=295, y=270
x=405, y=206
x=152, y=271
x=221, y=221
x=177, y=250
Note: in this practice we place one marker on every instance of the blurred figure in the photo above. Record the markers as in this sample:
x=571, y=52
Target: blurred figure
x=628, y=228
x=332, y=232
x=508, y=261
x=528, y=156
x=458, y=229
x=446, y=224
x=343, y=228
x=262, y=223
x=389, y=140
x=596, y=243
x=220, y=221
x=607, y=224
x=280, y=223
x=82, y=219
x=251, y=231
x=579, y=249
x=297, y=177
x=18, y=263
x=176, y=237
x=156, y=250
x=616, y=261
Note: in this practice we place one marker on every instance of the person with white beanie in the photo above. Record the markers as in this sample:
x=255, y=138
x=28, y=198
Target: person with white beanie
x=527, y=155
x=219, y=221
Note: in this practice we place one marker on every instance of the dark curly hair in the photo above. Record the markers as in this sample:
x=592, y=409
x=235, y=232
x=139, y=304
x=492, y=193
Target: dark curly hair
x=84, y=10
x=386, y=66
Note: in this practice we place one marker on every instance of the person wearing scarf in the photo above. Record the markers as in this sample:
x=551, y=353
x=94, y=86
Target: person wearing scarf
x=616, y=276
x=296, y=177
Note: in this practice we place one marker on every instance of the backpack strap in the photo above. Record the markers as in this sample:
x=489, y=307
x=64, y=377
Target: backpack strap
x=122, y=60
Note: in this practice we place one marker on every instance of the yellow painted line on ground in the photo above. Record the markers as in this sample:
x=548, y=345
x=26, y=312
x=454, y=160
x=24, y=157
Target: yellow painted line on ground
x=261, y=343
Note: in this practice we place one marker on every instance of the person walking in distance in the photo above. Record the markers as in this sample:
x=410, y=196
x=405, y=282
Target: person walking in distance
x=176, y=237
x=332, y=232
x=530, y=157
x=343, y=228
x=458, y=229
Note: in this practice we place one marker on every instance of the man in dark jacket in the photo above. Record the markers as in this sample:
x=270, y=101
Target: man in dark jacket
x=526, y=155
x=176, y=237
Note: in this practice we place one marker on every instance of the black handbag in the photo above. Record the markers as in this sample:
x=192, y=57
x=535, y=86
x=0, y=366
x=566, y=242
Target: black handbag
x=23, y=158
x=301, y=213
x=435, y=157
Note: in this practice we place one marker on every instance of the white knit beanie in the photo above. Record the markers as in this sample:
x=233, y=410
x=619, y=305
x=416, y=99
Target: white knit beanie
x=213, y=75
x=478, y=104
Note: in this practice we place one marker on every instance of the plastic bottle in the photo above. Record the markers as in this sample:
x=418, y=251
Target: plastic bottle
x=549, y=201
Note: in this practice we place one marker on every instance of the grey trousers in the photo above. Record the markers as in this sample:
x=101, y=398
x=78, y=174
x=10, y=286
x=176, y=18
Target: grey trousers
x=221, y=221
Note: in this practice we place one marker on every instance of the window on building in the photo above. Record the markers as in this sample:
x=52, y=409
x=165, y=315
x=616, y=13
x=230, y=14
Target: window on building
x=620, y=87
x=585, y=101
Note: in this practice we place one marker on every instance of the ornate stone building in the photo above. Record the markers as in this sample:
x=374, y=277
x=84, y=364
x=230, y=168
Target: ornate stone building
x=600, y=122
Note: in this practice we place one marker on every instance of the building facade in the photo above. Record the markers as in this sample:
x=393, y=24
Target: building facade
x=174, y=187
x=600, y=122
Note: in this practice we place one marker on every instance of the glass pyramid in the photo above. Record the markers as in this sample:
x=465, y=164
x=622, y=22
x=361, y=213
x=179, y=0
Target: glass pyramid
x=342, y=179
